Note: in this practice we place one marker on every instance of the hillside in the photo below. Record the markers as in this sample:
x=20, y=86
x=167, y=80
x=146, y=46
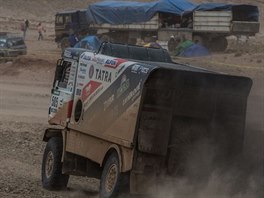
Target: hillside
x=42, y=10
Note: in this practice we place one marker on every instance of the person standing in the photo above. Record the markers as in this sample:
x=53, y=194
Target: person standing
x=40, y=29
x=73, y=39
x=24, y=27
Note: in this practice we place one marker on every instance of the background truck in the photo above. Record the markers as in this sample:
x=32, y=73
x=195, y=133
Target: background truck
x=134, y=119
x=129, y=22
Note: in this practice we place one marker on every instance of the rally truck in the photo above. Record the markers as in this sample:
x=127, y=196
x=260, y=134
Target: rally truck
x=132, y=117
x=136, y=22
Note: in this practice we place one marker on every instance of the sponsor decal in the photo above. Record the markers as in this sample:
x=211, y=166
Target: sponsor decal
x=86, y=57
x=100, y=60
x=53, y=110
x=67, y=54
x=81, y=77
x=103, y=75
x=114, y=63
x=91, y=71
x=60, y=102
x=111, y=63
x=109, y=101
x=70, y=83
x=89, y=89
x=144, y=70
x=132, y=94
x=78, y=92
x=54, y=101
x=124, y=85
x=83, y=65
x=56, y=92
x=83, y=70
x=80, y=84
x=137, y=69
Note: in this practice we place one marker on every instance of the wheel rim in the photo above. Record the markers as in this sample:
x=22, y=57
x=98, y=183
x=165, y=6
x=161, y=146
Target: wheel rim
x=111, y=178
x=49, y=164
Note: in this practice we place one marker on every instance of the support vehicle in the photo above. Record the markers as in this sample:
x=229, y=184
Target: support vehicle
x=131, y=117
x=129, y=22
x=12, y=46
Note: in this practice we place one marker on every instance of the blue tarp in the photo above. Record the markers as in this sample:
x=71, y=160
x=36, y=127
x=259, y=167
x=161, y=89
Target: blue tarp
x=89, y=42
x=194, y=51
x=125, y=12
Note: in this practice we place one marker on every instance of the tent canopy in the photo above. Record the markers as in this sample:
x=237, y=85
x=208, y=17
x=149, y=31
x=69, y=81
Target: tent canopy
x=89, y=42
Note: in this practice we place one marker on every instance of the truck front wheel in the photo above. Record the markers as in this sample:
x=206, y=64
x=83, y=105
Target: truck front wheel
x=110, y=184
x=51, y=172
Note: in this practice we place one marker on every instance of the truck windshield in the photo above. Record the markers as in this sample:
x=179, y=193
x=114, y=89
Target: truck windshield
x=59, y=19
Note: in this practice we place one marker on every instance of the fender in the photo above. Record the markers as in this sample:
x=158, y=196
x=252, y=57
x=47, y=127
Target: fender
x=50, y=132
x=107, y=153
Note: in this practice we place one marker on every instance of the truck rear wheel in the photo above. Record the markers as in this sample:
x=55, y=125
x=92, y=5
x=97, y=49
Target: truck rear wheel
x=219, y=44
x=199, y=40
x=110, y=184
x=51, y=172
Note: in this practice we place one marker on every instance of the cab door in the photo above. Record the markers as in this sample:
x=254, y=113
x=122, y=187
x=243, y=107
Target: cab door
x=62, y=92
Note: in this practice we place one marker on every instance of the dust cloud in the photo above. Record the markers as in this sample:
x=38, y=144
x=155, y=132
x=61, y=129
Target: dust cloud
x=206, y=177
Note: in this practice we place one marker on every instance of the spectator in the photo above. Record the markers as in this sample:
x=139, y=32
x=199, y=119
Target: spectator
x=40, y=29
x=154, y=43
x=73, y=39
x=26, y=28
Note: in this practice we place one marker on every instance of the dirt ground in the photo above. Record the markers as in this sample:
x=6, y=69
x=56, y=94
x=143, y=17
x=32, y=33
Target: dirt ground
x=25, y=86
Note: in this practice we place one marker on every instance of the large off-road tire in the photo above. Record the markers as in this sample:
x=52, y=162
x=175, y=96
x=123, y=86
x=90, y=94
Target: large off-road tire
x=51, y=172
x=111, y=179
x=199, y=40
x=219, y=44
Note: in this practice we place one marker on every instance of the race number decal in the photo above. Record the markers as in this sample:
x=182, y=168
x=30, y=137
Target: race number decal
x=54, y=101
